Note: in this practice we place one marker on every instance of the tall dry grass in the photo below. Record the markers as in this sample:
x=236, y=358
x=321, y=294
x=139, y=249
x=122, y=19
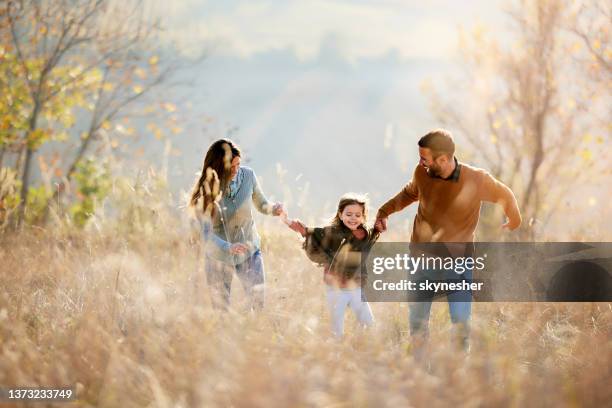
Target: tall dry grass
x=126, y=317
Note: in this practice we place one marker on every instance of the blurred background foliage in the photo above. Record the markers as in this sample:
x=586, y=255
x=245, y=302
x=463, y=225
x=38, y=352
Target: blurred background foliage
x=70, y=72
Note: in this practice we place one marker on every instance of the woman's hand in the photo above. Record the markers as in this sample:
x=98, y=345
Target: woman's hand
x=238, y=248
x=298, y=227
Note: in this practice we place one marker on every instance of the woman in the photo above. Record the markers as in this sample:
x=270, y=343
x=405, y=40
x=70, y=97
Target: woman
x=223, y=199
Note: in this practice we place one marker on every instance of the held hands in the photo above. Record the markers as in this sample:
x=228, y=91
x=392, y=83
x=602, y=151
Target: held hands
x=381, y=224
x=296, y=225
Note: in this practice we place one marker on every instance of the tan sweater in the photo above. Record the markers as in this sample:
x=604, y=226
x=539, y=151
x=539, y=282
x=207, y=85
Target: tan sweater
x=449, y=208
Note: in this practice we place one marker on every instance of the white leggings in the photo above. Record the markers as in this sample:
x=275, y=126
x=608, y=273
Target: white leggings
x=339, y=299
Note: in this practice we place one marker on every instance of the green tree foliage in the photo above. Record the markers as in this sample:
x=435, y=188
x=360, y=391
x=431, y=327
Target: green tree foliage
x=36, y=203
x=93, y=182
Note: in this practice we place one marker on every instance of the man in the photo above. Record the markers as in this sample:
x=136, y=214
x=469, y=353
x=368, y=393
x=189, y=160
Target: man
x=449, y=194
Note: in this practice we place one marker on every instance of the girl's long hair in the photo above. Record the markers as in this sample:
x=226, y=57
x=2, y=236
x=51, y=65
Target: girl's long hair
x=215, y=176
x=349, y=199
x=346, y=200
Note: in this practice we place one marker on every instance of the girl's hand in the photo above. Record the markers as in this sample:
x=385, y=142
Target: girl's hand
x=238, y=248
x=277, y=209
x=298, y=227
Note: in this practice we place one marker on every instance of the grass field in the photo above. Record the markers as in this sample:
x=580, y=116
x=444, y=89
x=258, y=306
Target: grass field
x=126, y=318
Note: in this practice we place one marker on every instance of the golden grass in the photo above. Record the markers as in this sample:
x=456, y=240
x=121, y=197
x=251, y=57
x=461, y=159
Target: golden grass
x=128, y=320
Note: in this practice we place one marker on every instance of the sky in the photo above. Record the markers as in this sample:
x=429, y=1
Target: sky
x=324, y=97
x=354, y=28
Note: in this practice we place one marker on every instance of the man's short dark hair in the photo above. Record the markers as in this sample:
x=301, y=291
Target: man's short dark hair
x=439, y=141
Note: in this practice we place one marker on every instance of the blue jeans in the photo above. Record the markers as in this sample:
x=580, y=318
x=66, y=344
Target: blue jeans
x=459, y=307
x=219, y=276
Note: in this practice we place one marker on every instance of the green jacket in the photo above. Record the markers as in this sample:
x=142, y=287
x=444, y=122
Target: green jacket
x=337, y=248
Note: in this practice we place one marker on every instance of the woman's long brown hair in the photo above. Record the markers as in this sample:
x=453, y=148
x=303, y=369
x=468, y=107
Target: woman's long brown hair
x=215, y=176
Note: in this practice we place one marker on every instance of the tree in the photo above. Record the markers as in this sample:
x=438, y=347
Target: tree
x=67, y=56
x=590, y=23
x=518, y=109
x=589, y=27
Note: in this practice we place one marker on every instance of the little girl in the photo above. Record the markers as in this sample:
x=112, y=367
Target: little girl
x=341, y=248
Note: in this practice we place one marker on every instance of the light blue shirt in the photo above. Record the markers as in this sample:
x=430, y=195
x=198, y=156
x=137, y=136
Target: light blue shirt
x=233, y=221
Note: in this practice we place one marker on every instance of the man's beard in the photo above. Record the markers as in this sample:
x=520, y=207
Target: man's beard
x=434, y=171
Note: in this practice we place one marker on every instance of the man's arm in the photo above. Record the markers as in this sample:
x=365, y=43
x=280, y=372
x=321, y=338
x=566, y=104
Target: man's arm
x=407, y=195
x=494, y=191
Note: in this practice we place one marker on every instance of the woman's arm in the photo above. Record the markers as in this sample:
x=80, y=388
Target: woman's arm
x=262, y=204
x=209, y=235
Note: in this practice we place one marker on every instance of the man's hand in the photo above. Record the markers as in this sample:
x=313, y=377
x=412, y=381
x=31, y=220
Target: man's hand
x=298, y=227
x=277, y=209
x=238, y=248
x=381, y=224
x=511, y=225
